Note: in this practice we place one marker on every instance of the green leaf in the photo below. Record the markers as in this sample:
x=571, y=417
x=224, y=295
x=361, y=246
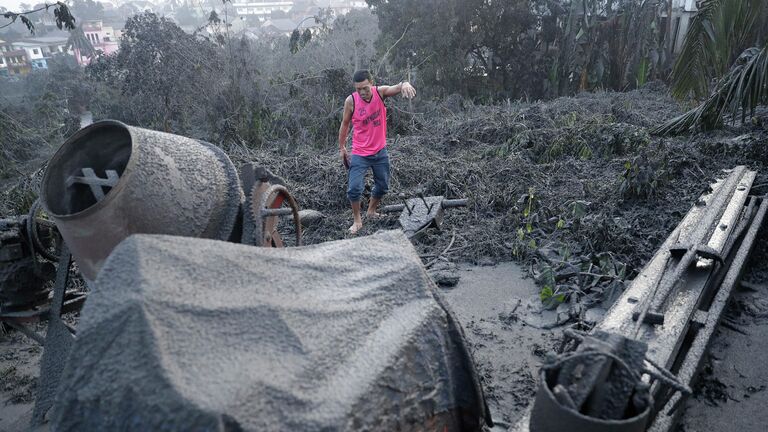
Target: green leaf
x=532, y=244
x=545, y=293
x=546, y=275
x=520, y=234
x=716, y=34
x=560, y=224
x=579, y=208
x=745, y=87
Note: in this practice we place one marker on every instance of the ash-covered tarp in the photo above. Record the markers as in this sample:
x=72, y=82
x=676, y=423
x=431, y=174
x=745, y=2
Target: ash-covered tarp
x=183, y=334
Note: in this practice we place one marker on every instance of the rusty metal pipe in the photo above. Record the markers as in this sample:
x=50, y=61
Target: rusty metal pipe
x=168, y=184
x=394, y=208
x=450, y=203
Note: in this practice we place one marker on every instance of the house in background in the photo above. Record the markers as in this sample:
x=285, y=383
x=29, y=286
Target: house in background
x=340, y=7
x=4, y=47
x=17, y=62
x=105, y=40
x=285, y=26
x=41, y=49
x=23, y=56
x=261, y=9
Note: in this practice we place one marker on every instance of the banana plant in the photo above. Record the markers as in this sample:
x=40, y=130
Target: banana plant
x=613, y=44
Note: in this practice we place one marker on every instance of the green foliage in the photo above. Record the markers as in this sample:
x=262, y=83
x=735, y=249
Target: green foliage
x=549, y=294
x=717, y=47
x=578, y=208
x=718, y=33
x=642, y=72
x=510, y=49
x=549, y=297
x=88, y=9
x=475, y=47
x=608, y=45
x=299, y=40
x=740, y=92
x=164, y=74
x=80, y=44
x=642, y=177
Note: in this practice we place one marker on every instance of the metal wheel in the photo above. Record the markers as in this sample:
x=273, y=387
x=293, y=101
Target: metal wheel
x=267, y=202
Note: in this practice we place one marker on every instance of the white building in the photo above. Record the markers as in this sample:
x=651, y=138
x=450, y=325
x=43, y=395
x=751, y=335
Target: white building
x=341, y=7
x=261, y=9
x=22, y=56
x=682, y=13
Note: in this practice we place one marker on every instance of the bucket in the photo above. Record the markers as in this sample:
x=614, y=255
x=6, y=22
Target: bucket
x=548, y=415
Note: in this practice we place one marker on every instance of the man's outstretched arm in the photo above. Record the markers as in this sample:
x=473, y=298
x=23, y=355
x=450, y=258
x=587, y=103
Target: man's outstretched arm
x=404, y=87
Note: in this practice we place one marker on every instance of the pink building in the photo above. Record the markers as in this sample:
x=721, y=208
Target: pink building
x=105, y=40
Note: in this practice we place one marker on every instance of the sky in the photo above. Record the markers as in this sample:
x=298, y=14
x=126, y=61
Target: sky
x=14, y=4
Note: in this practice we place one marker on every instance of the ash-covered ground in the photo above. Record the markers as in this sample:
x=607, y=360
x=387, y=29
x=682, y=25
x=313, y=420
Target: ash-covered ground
x=575, y=191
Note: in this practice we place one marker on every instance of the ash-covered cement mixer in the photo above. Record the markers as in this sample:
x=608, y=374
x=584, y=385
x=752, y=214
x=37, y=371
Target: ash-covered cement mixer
x=191, y=331
x=110, y=180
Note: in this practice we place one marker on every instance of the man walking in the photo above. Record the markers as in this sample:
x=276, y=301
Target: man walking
x=365, y=109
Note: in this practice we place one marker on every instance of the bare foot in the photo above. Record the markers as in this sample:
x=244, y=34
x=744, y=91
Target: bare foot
x=372, y=215
x=355, y=228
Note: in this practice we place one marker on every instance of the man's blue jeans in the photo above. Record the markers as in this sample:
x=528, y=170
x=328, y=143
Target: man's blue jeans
x=359, y=165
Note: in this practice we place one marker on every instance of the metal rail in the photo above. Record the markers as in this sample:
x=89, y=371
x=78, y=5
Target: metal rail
x=676, y=301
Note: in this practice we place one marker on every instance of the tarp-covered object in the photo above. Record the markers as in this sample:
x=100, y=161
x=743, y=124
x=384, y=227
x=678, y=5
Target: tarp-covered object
x=183, y=334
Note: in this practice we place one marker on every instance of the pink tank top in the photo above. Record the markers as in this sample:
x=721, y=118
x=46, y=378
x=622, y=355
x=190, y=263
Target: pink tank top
x=369, y=124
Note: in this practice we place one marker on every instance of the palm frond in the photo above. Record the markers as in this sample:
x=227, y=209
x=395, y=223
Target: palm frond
x=739, y=92
x=78, y=40
x=689, y=74
x=717, y=34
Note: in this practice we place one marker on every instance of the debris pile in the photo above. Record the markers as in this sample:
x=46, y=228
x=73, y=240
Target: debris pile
x=575, y=187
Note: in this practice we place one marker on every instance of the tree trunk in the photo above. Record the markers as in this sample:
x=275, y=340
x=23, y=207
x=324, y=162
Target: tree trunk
x=566, y=48
x=670, y=37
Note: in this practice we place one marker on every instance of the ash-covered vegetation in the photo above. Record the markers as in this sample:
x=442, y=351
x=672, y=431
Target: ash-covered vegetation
x=539, y=112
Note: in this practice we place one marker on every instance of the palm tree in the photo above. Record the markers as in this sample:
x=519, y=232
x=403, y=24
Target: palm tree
x=80, y=44
x=727, y=41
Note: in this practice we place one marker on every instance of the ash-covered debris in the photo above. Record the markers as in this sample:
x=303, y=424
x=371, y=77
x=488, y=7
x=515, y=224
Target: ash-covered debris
x=580, y=178
x=445, y=274
x=181, y=333
x=576, y=187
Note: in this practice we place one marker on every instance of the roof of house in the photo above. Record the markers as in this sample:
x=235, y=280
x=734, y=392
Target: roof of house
x=27, y=44
x=45, y=40
x=142, y=3
x=280, y=24
x=287, y=25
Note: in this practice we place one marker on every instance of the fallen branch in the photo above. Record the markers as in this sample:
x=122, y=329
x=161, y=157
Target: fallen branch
x=445, y=251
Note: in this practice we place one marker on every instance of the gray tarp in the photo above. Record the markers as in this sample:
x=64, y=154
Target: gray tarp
x=183, y=334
